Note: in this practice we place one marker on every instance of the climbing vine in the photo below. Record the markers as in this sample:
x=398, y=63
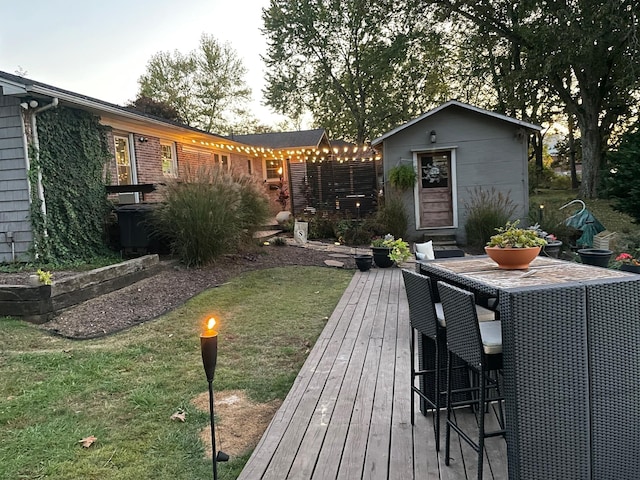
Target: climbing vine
x=72, y=157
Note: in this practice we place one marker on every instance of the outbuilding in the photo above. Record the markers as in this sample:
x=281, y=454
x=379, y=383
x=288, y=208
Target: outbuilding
x=457, y=149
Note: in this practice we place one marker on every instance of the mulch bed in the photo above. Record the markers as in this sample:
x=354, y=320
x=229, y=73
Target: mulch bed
x=161, y=293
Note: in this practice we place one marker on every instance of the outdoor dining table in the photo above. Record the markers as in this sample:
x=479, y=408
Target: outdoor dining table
x=571, y=355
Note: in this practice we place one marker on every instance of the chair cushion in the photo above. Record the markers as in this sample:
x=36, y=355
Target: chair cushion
x=424, y=251
x=484, y=315
x=491, y=333
x=440, y=314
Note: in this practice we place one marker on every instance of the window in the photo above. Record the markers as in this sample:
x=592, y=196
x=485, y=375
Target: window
x=169, y=164
x=225, y=161
x=273, y=169
x=123, y=160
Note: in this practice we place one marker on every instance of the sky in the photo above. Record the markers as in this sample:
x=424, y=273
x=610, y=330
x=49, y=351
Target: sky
x=100, y=49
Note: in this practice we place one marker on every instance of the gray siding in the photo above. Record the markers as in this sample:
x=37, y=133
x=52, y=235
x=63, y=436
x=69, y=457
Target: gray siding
x=489, y=153
x=14, y=197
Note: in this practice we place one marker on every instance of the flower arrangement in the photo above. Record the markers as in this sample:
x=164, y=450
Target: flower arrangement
x=627, y=259
x=399, y=249
x=510, y=236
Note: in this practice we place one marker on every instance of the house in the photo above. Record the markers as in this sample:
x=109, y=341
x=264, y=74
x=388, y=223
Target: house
x=318, y=173
x=145, y=151
x=457, y=148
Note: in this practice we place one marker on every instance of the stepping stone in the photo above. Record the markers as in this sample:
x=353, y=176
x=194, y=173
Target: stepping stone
x=334, y=263
x=339, y=255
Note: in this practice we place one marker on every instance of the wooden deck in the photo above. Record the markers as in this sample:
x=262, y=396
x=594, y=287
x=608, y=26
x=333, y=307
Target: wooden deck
x=347, y=415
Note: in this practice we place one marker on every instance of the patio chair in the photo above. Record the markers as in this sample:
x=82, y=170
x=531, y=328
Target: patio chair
x=423, y=319
x=479, y=344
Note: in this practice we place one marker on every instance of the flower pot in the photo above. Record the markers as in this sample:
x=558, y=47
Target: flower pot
x=363, y=262
x=381, y=257
x=630, y=268
x=509, y=258
x=595, y=256
x=552, y=249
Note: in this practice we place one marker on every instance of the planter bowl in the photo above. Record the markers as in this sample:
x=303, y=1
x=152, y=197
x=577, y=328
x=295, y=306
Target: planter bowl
x=512, y=258
x=552, y=249
x=364, y=262
x=597, y=257
x=381, y=257
x=630, y=268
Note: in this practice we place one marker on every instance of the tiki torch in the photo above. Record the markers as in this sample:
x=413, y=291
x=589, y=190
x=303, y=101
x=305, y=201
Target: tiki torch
x=209, y=348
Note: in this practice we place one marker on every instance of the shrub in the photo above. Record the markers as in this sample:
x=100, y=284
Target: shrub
x=486, y=211
x=209, y=212
x=392, y=218
x=621, y=182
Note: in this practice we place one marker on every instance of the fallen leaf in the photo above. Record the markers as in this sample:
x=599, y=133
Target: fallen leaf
x=88, y=441
x=179, y=415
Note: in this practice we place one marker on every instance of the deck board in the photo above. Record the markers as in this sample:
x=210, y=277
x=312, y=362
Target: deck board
x=347, y=415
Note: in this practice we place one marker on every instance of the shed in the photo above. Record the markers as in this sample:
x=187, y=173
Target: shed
x=455, y=149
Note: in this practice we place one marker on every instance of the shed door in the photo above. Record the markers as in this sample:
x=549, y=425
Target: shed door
x=434, y=190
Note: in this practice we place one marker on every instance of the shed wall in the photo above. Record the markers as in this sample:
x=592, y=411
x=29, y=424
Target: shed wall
x=490, y=153
x=14, y=192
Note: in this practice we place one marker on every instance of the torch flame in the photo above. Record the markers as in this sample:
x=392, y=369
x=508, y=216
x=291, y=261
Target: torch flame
x=211, y=323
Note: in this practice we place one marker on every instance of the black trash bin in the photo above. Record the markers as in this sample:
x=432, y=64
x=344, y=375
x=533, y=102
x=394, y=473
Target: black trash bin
x=135, y=229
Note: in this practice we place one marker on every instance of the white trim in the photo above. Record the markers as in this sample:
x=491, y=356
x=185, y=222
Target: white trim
x=454, y=188
x=433, y=149
x=456, y=103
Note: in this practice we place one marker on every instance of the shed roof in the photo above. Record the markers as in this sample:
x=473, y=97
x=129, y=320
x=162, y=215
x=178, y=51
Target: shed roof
x=278, y=140
x=456, y=103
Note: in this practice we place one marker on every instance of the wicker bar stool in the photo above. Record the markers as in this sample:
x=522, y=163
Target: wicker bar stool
x=479, y=344
x=424, y=321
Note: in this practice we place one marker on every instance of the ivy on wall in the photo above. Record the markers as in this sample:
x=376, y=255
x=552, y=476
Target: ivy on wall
x=72, y=157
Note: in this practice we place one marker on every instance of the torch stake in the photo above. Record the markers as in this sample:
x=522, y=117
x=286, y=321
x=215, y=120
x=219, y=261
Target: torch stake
x=213, y=435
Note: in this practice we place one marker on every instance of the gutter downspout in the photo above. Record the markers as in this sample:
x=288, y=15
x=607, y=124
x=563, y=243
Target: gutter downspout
x=36, y=146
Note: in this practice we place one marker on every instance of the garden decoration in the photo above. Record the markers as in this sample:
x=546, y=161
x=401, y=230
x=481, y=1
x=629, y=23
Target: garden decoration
x=584, y=221
x=514, y=248
x=209, y=349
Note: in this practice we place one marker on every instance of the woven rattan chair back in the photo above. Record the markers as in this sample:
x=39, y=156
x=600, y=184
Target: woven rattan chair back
x=463, y=333
x=422, y=313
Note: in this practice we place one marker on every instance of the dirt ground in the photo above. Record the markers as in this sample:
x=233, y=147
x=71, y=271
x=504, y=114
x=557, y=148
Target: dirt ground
x=154, y=296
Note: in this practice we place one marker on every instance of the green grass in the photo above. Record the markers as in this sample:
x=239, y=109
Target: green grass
x=123, y=388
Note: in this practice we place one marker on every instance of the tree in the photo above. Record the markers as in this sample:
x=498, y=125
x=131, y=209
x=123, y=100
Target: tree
x=158, y=109
x=205, y=86
x=624, y=170
x=359, y=67
x=586, y=51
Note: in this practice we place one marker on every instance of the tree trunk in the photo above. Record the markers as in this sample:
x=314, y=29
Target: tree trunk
x=591, y=158
x=572, y=152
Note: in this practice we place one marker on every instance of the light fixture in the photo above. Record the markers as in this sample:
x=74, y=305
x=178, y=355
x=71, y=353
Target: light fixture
x=432, y=136
x=209, y=350
x=143, y=139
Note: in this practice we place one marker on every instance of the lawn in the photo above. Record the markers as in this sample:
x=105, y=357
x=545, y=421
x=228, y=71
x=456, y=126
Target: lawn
x=122, y=389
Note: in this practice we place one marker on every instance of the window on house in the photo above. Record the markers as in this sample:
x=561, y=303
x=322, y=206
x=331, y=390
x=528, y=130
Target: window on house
x=225, y=161
x=249, y=167
x=169, y=163
x=216, y=159
x=123, y=160
x=274, y=169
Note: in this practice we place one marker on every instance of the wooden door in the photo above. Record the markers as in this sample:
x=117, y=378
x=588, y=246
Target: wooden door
x=434, y=190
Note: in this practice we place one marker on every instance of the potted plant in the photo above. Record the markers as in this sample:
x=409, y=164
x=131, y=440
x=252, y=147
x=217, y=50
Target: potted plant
x=553, y=246
x=627, y=263
x=402, y=177
x=387, y=250
x=514, y=248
